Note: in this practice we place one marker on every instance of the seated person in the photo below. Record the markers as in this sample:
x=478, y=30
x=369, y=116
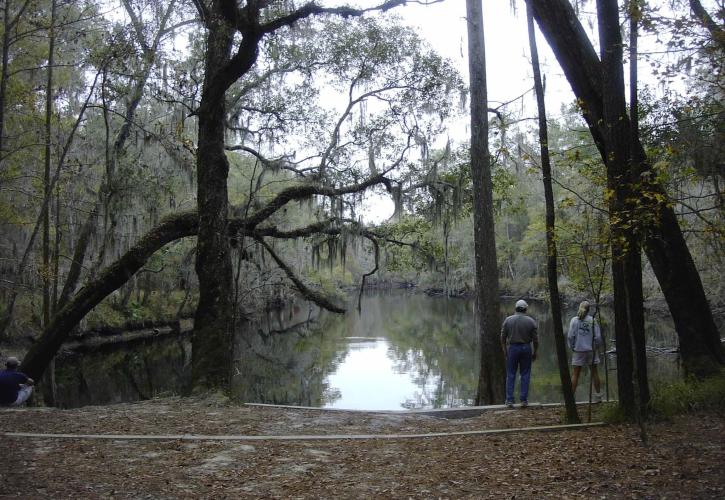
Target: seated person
x=15, y=386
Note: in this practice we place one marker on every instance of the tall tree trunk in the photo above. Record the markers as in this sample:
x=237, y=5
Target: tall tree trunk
x=48, y=193
x=213, y=321
x=664, y=243
x=551, y=256
x=623, y=212
x=640, y=353
x=56, y=252
x=4, y=75
x=7, y=318
x=491, y=381
x=9, y=23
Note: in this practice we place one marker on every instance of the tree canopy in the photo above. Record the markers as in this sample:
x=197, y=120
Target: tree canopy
x=210, y=158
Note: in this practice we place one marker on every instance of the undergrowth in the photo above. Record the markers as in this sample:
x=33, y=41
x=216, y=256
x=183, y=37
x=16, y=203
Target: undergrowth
x=689, y=395
x=678, y=398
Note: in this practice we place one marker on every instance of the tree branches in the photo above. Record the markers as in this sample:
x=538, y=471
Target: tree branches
x=171, y=229
x=308, y=190
x=307, y=292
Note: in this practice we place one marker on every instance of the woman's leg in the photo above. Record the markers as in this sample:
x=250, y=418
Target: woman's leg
x=595, y=378
x=576, y=370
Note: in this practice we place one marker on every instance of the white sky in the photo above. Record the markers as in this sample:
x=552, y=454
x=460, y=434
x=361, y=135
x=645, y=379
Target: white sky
x=507, y=48
x=508, y=61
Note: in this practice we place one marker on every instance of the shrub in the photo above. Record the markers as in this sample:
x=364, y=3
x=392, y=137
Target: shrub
x=689, y=395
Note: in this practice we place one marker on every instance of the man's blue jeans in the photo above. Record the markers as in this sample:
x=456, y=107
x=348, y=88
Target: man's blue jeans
x=519, y=358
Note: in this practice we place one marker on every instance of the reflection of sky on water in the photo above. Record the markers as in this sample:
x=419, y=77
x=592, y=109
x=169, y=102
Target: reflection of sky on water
x=413, y=351
x=370, y=379
x=405, y=350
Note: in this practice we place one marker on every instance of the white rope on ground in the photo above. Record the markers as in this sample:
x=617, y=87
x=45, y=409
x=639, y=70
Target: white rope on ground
x=448, y=413
x=302, y=437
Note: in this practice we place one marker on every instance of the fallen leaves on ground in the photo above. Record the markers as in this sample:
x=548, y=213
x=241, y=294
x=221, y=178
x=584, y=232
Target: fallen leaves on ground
x=682, y=460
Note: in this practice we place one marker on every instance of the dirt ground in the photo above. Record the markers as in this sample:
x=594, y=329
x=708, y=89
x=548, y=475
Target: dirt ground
x=684, y=458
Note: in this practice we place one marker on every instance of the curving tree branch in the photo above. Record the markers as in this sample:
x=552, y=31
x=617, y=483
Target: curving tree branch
x=376, y=246
x=308, y=190
x=172, y=228
x=307, y=292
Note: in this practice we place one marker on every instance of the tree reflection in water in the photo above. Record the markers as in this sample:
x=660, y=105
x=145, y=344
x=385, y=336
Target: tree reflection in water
x=406, y=350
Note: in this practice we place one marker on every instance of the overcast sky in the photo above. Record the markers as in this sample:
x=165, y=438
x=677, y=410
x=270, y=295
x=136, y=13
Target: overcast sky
x=509, y=73
x=508, y=63
x=507, y=48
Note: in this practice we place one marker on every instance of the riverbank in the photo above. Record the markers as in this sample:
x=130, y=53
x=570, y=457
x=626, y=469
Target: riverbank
x=682, y=460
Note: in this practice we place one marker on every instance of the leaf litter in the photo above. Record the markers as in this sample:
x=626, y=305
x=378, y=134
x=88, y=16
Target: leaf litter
x=683, y=459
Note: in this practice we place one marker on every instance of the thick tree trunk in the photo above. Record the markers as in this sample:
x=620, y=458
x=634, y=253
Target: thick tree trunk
x=551, y=256
x=638, y=336
x=213, y=322
x=664, y=243
x=491, y=381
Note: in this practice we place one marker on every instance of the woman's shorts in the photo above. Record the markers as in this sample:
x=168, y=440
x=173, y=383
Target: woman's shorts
x=584, y=358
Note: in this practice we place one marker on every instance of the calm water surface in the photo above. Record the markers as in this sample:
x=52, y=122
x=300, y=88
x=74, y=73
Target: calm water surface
x=406, y=350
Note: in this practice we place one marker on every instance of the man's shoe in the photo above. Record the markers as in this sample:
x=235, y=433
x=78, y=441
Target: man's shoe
x=524, y=404
x=597, y=397
x=509, y=404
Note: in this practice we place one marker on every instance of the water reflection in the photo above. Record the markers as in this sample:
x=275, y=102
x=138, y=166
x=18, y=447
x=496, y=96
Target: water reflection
x=405, y=350
x=141, y=369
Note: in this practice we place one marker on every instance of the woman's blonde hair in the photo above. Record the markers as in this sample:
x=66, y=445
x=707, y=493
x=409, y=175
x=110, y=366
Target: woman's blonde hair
x=583, y=310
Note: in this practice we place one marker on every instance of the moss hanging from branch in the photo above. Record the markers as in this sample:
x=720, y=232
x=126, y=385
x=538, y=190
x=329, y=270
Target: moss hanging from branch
x=308, y=293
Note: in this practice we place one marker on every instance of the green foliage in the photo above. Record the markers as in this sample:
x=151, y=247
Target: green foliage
x=691, y=395
x=424, y=259
x=285, y=108
x=681, y=397
x=612, y=413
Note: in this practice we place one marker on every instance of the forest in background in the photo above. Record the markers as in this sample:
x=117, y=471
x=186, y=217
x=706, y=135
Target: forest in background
x=101, y=106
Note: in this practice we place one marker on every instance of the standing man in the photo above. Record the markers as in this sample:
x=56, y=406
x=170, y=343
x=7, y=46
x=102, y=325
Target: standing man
x=15, y=386
x=517, y=334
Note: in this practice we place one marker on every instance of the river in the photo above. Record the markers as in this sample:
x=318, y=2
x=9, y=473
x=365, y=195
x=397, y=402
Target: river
x=405, y=350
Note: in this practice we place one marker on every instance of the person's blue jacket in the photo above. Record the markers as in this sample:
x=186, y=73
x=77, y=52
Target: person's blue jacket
x=10, y=382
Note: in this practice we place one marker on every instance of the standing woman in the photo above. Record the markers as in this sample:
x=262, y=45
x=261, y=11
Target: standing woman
x=585, y=337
